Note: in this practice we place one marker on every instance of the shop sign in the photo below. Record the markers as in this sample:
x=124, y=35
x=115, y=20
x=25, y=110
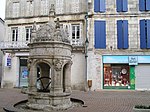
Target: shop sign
x=133, y=60
x=8, y=60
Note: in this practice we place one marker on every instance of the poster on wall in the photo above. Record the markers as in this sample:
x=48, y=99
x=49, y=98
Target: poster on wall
x=24, y=73
x=8, y=60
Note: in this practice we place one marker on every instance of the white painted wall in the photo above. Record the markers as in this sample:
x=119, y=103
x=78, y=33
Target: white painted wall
x=11, y=74
x=78, y=71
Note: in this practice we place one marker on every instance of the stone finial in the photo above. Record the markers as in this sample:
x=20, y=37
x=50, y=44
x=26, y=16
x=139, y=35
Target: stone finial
x=57, y=23
x=34, y=26
x=52, y=10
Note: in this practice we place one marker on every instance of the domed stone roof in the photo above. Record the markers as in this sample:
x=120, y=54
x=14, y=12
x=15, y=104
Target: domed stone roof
x=49, y=32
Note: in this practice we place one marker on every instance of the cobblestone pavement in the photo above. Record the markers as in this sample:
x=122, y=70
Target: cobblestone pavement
x=96, y=101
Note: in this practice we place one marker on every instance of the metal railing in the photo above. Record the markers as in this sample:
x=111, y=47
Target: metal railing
x=23, y=44
x=13, y=44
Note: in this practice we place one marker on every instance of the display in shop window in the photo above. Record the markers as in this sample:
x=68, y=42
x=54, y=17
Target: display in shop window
x=116, y=76
x=25, y=73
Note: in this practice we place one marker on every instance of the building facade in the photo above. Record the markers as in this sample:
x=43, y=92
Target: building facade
x=20, y=17
x=2, y=30
x=118, y=32
x=118, y=53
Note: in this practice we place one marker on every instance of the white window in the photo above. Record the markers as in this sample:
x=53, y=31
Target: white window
x=44, y=7
x=14, y=34
x=59, y=6
x=29, y=10
x=16, y=9
x=74, y=32
x=28, y=33
x=75, y=6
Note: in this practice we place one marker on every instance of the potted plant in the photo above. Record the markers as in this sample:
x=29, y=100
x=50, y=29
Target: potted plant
x=141, y=108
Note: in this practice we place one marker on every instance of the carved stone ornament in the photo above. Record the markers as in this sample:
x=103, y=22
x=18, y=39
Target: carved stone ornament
x=57, y=64
x=29, y=62
x=51, y=32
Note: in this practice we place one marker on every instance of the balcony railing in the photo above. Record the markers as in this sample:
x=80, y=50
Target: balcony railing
x=23, y=44
x=16, y=44
x=77, y=42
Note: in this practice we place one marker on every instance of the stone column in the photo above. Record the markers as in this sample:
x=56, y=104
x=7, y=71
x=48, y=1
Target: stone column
x=32, y=78
x=56, y=76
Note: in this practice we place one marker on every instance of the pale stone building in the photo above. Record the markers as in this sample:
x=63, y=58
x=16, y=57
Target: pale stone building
x=118, y=53
x=2, y=30
x=118, y=34
x=20, y=16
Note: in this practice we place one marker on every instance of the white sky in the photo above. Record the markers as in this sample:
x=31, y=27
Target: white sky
x=2, y=9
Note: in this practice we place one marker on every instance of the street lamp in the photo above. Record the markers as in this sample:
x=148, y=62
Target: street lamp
x=86, y=52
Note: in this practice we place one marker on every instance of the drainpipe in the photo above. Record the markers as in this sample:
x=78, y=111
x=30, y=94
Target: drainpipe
x=86, y=46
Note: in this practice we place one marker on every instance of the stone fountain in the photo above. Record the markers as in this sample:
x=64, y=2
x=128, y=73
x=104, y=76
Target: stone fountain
x=49, y=65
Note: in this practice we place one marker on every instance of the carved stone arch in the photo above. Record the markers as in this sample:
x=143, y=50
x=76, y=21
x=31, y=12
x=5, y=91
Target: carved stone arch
x=42, y=61
x=67, y=77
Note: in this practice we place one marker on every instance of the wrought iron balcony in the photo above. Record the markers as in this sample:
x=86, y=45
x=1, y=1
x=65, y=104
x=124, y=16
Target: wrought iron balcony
x=23, y=44
x=13, y=44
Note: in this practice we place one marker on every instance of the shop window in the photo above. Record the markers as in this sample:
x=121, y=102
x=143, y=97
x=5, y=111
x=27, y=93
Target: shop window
x=14, y=34
x=99, y=6
x=122, y=34
x=23, y=77
x=144, y=5
x=116, y=76
x=100, y=34
x=144, y=34
x=122, y=5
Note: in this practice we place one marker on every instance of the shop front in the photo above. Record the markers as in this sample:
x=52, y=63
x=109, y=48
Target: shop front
x=119, y=72
x=126, y=72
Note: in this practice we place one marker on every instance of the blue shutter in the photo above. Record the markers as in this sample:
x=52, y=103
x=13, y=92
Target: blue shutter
x=142, y=34
x=119, y=5
x=100, y=34
x=102, y=6
x=119, y=34
x=142, y=6
x=125, y=34
x=124, y=5
x=147, y=5
x=148, y=33
x=96, y=5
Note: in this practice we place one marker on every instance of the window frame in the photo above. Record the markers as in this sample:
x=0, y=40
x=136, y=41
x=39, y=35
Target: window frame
x=14, y=32
x=28, y=33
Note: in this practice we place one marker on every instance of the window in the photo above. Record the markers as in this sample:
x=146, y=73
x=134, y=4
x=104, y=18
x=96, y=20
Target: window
x=29, y=10
x=100, y=34
x=144, y=5
x=122, y=5
x=44, y=7
x=59, y=6
x=75, y=6
x=75, y=34
x=99, y=6
x=122, y=34
x=144, y=34
x=116, y=76
x=28, y=33
x=15, y=9
x=15, y=34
